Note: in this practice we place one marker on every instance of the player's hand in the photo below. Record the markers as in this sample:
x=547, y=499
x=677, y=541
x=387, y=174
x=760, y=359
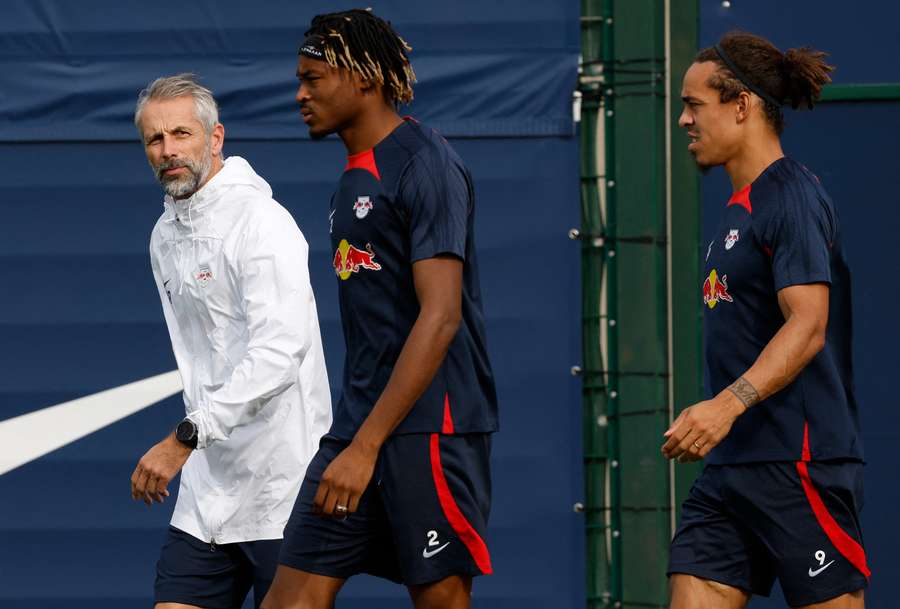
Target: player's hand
x=157, y=468
x=699, y=428
x=344, y=481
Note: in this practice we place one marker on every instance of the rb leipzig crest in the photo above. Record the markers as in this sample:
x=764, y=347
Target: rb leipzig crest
x=732, y=238
x=362, y=207
x=204, y=275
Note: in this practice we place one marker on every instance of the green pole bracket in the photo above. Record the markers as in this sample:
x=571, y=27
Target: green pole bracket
x=861, y=92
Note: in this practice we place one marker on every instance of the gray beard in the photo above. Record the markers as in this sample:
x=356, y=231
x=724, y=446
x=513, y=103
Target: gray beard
x=182, y=187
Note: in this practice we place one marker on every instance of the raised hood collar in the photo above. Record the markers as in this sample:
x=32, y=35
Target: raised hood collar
x=235, y=172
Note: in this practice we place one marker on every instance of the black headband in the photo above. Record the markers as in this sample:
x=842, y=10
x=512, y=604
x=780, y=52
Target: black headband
x=313, y=46
x=740, y=76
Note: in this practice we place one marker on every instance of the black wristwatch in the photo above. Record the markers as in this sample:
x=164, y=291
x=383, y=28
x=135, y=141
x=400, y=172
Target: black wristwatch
x=186, y=433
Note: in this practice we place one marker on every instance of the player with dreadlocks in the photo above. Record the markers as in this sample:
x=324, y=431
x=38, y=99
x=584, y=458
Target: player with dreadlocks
x=782, y=488
x=400, y=487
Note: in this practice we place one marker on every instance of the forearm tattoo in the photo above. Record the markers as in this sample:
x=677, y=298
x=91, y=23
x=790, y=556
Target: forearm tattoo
x=745, y=392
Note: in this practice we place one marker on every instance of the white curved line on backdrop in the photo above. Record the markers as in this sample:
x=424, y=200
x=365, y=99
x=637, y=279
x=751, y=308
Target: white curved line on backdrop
x=33, y=435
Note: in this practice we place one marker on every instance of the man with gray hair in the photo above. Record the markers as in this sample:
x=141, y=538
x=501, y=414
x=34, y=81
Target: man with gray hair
x=230, y=265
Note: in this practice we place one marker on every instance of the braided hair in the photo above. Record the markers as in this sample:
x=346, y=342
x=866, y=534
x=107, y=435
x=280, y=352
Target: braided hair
x=360, y=41
x=795, y=76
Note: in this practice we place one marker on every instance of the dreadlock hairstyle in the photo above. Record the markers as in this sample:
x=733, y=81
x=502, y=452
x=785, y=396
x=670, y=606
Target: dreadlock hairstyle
x=795, y=76
x=362, y=42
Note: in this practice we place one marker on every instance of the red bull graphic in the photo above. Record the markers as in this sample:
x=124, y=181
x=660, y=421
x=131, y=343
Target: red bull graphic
x=348, y=259
x=715, y=289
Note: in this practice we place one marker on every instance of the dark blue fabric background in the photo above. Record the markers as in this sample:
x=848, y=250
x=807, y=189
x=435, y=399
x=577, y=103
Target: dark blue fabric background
x=79, y=312
x=72, y=70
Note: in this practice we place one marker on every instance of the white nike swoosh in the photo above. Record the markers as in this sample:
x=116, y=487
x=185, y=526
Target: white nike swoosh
x=33, y=435
x=817, y=571
x=427, y=554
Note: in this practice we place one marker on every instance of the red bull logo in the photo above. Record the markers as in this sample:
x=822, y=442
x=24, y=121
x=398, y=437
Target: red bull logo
x=715, y=289
x=348, y=260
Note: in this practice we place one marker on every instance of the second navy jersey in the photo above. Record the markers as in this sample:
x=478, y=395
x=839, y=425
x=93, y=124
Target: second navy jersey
x=780, y=231
x=408, y=199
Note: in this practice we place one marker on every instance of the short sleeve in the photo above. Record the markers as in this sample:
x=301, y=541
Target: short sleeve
x=799, y=238
x=436, y=195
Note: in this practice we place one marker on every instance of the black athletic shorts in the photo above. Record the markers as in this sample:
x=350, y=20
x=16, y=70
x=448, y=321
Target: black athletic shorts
x=744, y=525
x=421, y=519
x=193, y=572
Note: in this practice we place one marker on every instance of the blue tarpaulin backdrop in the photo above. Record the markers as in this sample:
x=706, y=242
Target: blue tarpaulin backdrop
x=79, y=313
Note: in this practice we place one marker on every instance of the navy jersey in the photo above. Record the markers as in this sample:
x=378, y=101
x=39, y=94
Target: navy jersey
x=781, y=230
x=408, y=199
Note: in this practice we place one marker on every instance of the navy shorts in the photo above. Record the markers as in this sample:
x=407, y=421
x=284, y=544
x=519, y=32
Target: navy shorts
x=744, y=525
x=193, y=572
x=421, y=519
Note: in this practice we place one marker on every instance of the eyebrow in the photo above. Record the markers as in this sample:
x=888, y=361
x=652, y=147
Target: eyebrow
x=305, y=73
x=688, y=99
x=158, y=132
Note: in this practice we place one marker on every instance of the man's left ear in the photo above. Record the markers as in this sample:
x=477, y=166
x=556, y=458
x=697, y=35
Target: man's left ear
x=218, y=139
x=366, y=86
x=742, y=106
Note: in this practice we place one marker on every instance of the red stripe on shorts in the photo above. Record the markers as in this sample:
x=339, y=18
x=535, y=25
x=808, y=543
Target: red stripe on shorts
x=469, y=536
x=846, y=545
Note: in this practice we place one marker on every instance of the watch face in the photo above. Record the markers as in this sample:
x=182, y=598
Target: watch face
x=186, y=431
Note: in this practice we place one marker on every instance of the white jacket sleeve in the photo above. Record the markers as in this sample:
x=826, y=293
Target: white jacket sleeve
x=273, y=280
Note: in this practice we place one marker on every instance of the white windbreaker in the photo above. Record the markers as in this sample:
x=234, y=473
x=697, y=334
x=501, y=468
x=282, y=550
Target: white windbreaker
x=231, y=268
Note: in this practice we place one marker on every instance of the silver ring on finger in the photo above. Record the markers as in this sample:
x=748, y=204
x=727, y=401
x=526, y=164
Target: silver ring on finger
x=697, y=445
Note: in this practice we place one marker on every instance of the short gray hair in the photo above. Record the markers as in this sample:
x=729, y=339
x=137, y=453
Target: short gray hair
x=180, y=85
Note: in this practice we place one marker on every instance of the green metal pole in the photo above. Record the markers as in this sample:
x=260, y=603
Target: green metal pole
x=612, y=334
x=686, y=247
x=639, y=297
x=641, y=325
x=599, y=439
